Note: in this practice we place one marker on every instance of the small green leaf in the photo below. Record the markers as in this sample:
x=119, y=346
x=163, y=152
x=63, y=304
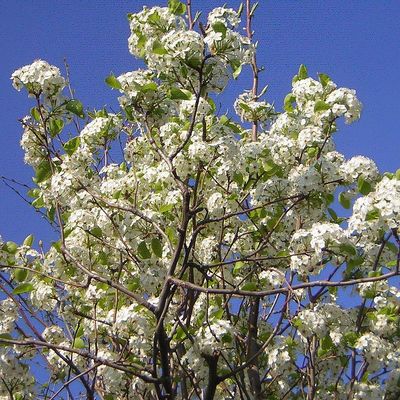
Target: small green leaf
x=178, y=94
x=250, y=286
x=56, y=125
x=72, y=145
x=290, y=99
x=158, y=48
x=312, y=151
x=238, y=178
x=238, y=266
x=5, y=336
x=371, y=215
x=154, y=18
x=348, y=249
x=113, y=82
x=245, y=107
x=180, y=334
x=78, y=343
x=193, y=62
x=253, y=8
x=156, y=247
x=75, y=107
x=10, y=247
x=28, y=240
x=79, y=331
x=176, y=7
x=33, y=193
x=35, y=114
x=324, y=79
x=166, y=208
x=23, y=288
x=43, y=172
x=397, y=174
x=149, y=87
x=220, y=28
x=344, y=200
x=303, y=73
x=350, y=338
x=320, y=105
x=143, y=251
x=38, y=203
x=332, y=214
x=20, y=274
x=236, y=71
x=97, y=232
x=363, y=186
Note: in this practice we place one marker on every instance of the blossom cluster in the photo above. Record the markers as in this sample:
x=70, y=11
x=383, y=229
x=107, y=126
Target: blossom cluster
x=168, y=211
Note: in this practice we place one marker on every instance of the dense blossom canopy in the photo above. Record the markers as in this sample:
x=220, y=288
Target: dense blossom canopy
x=200, y=254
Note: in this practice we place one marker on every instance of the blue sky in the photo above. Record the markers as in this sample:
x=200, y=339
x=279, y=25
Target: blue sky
x=355, y=42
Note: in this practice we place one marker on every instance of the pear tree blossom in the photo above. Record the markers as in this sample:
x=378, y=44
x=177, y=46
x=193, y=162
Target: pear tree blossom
x=200, y=254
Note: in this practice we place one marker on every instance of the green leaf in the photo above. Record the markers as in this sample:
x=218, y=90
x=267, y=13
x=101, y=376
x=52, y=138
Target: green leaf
x=397, y=174
x=97, y=232
x=238, y=178
x=236, y=71
x=290, y=99
x=320, y=105
x=78, y=343
x=33, y=193
x=143, y=251
x=180, y=334
x=371, y=215
x=250, y=286
x=38, y=203
x=5, y=336
x=193, y=62
x=156, y=247
x=23, y=288
x=344, y=200
x=176, y=7
x=149, y=87
x=178, y=94
x=35, y=114
x=220, y=28
x=253, y=8
x=166, y=208
x=28, y=240
x=43, y=172
x=55, y=126
x=20, y=274
x=79, y=331
x=348, y=249
x=312, y=151
x=113, y=82
x=363, y=186
x=332, y=214
x=72, y=145
x=238, y=266
x=10, y=247
x=158, y=48
x=303, y=73
x=355, y=262
x=245, y=107
x=326, y=345
x=324, y=79
x=154, y=18
x=350, y=338
x=75, y=107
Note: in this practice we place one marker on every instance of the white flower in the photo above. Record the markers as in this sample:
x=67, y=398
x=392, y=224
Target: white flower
x=39, y=77
x=345, y=102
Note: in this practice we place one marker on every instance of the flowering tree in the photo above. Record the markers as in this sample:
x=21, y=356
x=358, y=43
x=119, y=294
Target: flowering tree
x=200, y=257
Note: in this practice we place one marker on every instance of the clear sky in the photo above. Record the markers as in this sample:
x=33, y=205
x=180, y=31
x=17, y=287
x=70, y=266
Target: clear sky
x=356, y=42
